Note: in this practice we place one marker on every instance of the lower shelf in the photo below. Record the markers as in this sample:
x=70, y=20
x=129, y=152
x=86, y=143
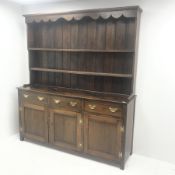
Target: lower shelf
x=82, y=72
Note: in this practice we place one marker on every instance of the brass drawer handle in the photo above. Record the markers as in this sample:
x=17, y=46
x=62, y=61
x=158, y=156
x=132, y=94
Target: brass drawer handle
x=120, y=155
x=40, y=98
x=113, y=109
x=57, y=101
x=26, y=96
x=73, y=104
x=92, y=107
x=122, y=129
x=80, y=121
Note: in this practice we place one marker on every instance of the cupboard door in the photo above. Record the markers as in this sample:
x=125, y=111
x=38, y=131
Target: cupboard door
x=34, y=122
x=65, y=129
x=102, y=136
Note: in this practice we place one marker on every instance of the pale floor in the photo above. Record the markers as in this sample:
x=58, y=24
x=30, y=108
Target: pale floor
x=25, y=158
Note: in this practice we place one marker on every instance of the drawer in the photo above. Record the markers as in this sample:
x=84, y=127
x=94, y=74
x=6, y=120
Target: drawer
x=34, y=98
x=66, y=103
x=105, y=108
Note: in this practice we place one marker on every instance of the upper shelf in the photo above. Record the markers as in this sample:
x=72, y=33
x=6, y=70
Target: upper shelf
x=83, y=50
x=127, y=12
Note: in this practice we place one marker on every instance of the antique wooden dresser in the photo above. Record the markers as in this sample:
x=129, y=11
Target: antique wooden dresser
x=81, y=95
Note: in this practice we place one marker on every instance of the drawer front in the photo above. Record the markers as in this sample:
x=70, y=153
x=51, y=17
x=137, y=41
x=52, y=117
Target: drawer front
x=67, y=103
x=34, y=98
x=103, y=108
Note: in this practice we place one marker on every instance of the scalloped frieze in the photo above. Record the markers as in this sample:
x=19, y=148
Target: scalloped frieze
x=79, y=16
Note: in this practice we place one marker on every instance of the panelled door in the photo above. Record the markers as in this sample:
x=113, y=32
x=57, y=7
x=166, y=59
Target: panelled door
x=66, y=129
x=35, y=122
x=102, y=136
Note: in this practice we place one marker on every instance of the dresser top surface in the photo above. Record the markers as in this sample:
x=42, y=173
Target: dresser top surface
x=111, y=97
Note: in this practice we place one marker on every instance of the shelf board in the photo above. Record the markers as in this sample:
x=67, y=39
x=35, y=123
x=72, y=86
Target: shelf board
x=82, y=50
x=82, y=72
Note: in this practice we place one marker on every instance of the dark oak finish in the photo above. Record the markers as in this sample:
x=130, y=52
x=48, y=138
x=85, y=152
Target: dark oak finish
x=102, y=136
x=34, y=122
x=103, y=108
x=70, y=104
x=66, y=129
x=81, y=96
